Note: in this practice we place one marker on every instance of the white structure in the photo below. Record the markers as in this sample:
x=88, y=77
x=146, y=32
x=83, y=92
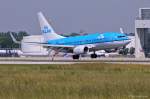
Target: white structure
x=142, y=33
x=33, y=49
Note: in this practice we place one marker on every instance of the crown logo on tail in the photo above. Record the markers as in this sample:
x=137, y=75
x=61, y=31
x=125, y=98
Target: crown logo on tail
x=46, y=29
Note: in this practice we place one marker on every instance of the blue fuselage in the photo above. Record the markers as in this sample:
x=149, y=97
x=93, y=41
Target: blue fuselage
x=90, y=39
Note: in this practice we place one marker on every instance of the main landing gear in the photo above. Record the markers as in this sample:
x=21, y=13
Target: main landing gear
x=75, y=56
x=94, y=55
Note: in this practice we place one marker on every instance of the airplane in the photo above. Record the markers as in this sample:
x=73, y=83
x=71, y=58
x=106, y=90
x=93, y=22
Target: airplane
x=81, y=44
x=78, y=45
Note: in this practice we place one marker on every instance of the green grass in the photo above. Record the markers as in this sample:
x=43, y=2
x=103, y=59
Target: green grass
x=79, y=81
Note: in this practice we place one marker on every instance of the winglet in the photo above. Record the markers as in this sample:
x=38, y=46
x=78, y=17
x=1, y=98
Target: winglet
x=14, y=40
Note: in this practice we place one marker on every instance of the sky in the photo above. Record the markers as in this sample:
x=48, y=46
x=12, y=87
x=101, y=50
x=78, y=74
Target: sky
x=69, y=16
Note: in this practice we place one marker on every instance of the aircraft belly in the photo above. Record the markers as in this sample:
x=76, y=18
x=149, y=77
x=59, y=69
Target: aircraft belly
x=110, y=45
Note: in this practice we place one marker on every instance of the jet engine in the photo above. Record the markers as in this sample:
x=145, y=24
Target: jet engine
x=80, y=50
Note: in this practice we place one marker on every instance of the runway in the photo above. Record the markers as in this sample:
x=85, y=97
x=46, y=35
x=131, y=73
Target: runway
x=68, y=60
x=27, y=62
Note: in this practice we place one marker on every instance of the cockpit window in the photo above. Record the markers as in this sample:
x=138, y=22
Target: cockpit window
x=121, y=36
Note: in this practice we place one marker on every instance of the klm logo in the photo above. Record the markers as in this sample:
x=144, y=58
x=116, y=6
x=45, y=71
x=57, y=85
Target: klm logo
x=101, y=36
x=46, y=30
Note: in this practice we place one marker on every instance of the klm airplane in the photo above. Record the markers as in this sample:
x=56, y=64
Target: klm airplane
x=80, y=44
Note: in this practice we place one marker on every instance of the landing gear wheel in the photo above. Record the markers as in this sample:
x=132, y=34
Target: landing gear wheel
x=75, y=56
x=93, y=55
x=124, y=47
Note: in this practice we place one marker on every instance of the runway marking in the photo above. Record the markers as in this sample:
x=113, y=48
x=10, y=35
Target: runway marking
x=61, y=60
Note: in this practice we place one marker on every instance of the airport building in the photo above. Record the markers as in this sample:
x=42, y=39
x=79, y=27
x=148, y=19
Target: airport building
x=142, y=34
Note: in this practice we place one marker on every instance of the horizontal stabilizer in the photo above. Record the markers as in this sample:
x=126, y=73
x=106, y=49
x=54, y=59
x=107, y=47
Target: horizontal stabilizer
x=51, y=45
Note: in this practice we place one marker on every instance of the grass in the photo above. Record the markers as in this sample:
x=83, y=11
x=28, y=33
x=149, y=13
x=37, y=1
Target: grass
x=78, y=81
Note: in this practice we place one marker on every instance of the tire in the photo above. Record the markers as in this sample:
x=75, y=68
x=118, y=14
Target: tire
x=75, y=56
x=93, y=55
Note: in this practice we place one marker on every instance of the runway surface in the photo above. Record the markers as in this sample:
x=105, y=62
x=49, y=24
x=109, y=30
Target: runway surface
x=68, y=60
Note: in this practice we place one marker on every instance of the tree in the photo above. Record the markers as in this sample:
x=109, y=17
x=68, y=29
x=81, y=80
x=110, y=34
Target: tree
x=6, y=40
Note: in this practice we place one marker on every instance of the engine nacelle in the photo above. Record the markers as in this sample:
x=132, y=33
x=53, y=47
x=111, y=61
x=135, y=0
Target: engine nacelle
x=80, y=49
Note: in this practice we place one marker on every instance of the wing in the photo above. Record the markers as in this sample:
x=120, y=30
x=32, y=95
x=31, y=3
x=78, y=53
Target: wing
x=51, y=45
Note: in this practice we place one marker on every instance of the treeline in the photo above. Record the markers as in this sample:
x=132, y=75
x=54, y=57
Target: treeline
x=6, y=40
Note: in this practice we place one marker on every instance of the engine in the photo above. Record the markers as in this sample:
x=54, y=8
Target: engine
x=80, y=50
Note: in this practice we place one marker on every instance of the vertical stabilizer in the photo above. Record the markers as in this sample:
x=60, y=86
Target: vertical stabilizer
x=46, y=29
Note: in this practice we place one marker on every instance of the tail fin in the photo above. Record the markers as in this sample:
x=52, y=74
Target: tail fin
x=46, y=29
